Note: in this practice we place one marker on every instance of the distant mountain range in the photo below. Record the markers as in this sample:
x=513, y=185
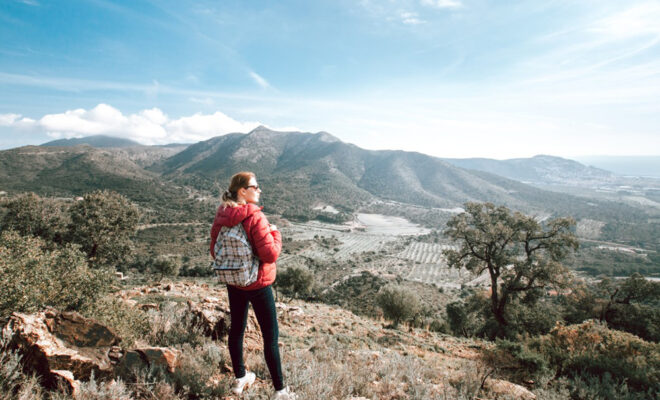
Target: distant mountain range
x=100, y=141
x=300, y=170
x=539, y=170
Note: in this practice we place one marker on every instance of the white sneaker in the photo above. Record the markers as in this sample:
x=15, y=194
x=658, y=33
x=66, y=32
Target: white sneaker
x=242, y=383
x=284, y=394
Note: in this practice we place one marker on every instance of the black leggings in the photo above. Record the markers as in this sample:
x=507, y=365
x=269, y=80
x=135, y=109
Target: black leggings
x=263, y=304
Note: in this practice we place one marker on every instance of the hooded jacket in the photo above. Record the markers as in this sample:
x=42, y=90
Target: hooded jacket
x=266, y=244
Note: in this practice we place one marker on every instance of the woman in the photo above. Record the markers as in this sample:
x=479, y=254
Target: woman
x=239, y=207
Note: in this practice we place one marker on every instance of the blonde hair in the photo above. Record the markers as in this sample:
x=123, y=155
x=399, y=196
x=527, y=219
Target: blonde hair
x=238, y=181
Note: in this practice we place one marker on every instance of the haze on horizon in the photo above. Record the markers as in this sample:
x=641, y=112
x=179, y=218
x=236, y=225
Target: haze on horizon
x=449, y=78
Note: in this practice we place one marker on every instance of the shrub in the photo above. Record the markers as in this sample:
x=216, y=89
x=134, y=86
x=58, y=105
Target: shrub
x=197, y=366
x=296, y=281
x=129, y=323
x=398, y=303
x=14, y=384
x=164, y=266
x=591, y=350
x=174, y=326
x=517, y=361
x=32, y=276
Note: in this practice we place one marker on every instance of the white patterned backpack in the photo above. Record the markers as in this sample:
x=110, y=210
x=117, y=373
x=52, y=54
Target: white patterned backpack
x=235, y=264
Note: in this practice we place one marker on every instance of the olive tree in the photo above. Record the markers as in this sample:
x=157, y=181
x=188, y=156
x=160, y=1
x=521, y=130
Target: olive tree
x=520, y=254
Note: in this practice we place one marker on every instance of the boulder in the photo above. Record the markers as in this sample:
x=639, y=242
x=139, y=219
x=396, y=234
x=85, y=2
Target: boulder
x=74, y=329
x=44, y=343
x=211, y=317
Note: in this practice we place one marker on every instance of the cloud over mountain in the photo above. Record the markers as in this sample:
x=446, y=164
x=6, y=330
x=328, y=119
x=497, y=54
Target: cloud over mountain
x=150, y=126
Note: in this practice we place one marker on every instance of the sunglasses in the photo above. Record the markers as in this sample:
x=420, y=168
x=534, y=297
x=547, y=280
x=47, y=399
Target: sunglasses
x=255, y=187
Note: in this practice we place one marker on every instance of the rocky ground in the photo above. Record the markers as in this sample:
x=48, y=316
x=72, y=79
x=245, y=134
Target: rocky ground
x=327, y=352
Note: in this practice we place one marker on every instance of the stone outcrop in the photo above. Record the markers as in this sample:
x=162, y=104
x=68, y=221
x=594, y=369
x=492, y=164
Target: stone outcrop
x=211, y=317
x=55, y=342
x=66, y=348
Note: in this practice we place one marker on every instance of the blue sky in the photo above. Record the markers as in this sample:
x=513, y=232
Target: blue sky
x=450, y=78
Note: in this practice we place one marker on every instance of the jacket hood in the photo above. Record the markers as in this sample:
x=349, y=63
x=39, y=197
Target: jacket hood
x=230, y=216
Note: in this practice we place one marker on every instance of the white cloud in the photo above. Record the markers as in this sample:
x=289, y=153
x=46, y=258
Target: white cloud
x=260, y=80
x=8, y=119
x=200, y=127
x=150, y=126
x=411, y=18
x=443, y=3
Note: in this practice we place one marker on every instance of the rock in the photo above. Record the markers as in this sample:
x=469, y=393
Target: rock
x=296, y=311
x=66, y=380
x=149, y=306
x=75, y=329
x=212, y=319
x=506, y=388
x=131, y=302
x=115, y=354
x=211, y=299
x=168, y=287
x=148, y=357
x=46, y=348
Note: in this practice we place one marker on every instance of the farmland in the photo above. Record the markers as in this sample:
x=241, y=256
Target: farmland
x=381, y=245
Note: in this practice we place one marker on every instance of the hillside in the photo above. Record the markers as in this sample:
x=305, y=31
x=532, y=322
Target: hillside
x=74, y=171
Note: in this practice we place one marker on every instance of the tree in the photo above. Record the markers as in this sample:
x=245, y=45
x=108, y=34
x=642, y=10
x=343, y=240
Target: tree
x=102, y=224
x=520, y=254
x=398, y=303
x=30, y=215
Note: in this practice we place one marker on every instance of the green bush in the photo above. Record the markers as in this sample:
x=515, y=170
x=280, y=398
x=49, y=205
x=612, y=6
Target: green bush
x=163, y=266
x=33, y=276
x=129, y=323
x=296, y=281
x=592, y=350
x=398, y=303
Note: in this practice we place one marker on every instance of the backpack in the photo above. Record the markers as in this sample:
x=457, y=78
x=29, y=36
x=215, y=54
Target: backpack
x=235, y=264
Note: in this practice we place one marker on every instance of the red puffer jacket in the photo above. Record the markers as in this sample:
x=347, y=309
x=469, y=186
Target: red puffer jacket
x=266, y=244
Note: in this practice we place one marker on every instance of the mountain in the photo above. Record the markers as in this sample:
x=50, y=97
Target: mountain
x=539, y=170
x=99, y=141
x=299, y=170
x=304, y=169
